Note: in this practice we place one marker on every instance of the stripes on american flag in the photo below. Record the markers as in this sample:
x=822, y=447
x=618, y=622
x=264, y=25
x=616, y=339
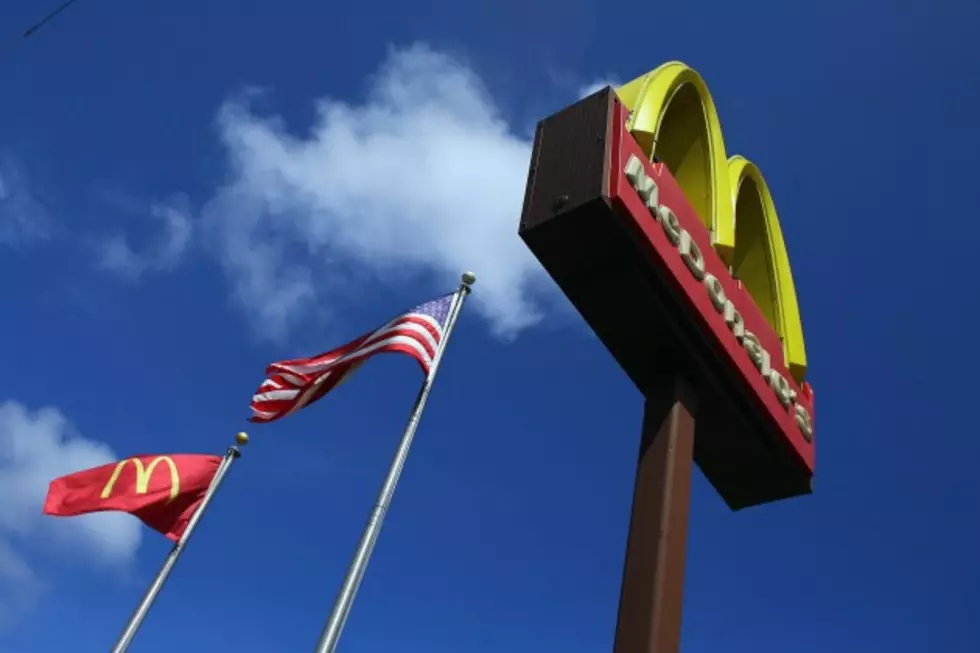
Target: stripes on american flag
x=293, y=384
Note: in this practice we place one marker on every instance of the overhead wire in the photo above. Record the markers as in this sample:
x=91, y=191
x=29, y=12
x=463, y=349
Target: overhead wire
x=34, y=28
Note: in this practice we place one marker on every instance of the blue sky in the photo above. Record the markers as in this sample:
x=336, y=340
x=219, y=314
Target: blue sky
x=189, y=191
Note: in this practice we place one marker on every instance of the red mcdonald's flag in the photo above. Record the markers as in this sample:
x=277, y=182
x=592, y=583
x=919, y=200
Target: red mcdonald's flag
x=162, y=490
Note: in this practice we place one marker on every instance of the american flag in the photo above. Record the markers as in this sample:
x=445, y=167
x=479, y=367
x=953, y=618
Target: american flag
x=293, y=384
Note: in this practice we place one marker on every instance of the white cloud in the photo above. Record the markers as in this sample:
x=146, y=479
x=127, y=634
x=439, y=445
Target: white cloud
x=598, y=85
x=162, y=253
x=22, y=217
x=423, y=179
x=36, y=447
x=19, y=586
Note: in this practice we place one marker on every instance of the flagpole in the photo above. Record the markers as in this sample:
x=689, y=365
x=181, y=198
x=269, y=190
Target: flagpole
x=355, y=573
x=135, y=621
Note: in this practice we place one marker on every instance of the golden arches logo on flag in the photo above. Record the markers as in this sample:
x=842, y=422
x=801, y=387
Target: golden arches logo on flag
x=673, y=118
x=143, y=476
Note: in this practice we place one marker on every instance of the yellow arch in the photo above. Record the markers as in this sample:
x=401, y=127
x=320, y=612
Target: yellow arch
x=673, y=116
x=761, y=262
x=692, y=146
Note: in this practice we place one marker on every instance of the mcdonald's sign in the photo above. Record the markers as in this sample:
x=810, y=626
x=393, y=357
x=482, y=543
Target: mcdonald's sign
x=143, y=476
x=673, y=252
x=673, y=116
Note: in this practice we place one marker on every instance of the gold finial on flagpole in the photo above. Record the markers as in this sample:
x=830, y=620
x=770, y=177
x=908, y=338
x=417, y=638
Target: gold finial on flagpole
x=241, y=438
x=469, y=279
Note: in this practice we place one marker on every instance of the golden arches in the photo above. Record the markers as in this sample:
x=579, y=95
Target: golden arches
x=673, y=117
x=143, y=476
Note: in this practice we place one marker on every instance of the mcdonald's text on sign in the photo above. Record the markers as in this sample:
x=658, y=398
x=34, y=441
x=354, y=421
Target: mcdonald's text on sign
x=690, y=252
x=673, y=253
